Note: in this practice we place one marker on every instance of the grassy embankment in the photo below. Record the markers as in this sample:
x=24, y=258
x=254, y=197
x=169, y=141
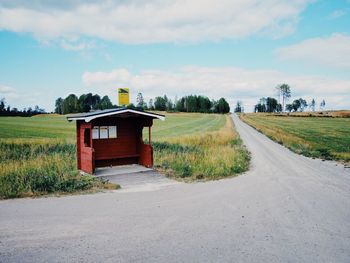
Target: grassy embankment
x=38, y=153
x=211, y=149
x=320, y=137
x=38, y=157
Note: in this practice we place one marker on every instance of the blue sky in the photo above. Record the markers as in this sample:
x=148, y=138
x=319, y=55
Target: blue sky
x=239, y=50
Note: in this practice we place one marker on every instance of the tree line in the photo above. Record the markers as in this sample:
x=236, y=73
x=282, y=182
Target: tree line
x=85, y=103
x=269, y=104
x=7, y=110
x=191, y=103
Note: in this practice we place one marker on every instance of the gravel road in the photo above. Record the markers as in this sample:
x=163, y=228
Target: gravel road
x=287, y=208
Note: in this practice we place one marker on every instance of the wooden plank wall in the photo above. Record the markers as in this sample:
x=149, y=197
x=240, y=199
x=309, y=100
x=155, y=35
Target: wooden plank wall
x=125, y=145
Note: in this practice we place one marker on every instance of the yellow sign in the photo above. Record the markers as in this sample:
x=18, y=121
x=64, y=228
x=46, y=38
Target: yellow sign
x=124, y=97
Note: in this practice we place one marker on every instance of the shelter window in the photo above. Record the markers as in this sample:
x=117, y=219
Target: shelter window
x=104, y=132
x=96, y=133
x=112, y=132
x=87, y=137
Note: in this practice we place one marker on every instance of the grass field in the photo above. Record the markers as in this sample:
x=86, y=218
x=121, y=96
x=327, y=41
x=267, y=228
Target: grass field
x=333, y=114
x=57, y=127
x=38, y=153
x=327, y=138
x=179, y=124
x=40, y=127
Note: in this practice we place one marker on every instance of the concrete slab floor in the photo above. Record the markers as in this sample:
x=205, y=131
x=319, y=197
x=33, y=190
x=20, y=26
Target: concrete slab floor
x=121, y=169
x=134, y=178
x=141, y=181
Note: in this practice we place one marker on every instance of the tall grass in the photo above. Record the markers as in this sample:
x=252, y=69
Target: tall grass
x=35, y=167
x=208, y=156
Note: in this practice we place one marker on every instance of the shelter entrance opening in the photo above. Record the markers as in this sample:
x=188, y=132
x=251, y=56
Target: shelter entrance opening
x=87, y=137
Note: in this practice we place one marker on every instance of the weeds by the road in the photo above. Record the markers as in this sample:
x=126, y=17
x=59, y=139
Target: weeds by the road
x=206, y=156
x=36, y=167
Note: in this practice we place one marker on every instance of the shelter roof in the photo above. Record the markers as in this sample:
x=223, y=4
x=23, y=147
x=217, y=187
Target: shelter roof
x=123, y=112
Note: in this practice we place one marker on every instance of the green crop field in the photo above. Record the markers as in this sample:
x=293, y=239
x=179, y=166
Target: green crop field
x=38, y=153
x=321, y=137
x=41, y=126
x=178, y=124
x=57, y=127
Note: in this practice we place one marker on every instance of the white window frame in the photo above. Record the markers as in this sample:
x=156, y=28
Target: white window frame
x=94, y=130
x=109, y=128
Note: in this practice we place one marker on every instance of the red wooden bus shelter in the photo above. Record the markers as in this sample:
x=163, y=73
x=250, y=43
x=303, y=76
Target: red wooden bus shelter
x=113, y=137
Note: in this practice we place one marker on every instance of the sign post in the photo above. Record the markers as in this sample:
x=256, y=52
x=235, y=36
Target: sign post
x=124, y=96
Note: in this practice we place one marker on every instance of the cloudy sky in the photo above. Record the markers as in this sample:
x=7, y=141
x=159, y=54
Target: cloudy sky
x=237, y=49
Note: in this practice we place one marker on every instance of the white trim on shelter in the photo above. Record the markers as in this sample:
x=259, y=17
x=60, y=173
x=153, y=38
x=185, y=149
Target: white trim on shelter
x=94, y=115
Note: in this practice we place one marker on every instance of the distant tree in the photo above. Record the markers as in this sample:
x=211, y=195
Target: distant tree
x=271, y=104
x=150, y=104
x=38, y=110
x=59, y=106
x=163, y=104
x=71, y=104
x=284, y=93
x=140, y=101
x=223, y=106
x=312, y=105
x=289, y=107
x=260, y=106
x=169, y=105
x=204, y=104
x=96, y=99
x=263, y=101
x=268, y=104
x=322, y=105
x=296, y=105
x=88, y=102
x=239, y=107
x=166, y=100
x=175, y=102
x=180, y=105
x=2, y=105
x=191, y=104
x=279, y=107
x=84, y=102
x=105, y=103
x=160, y=104
x=303, y=104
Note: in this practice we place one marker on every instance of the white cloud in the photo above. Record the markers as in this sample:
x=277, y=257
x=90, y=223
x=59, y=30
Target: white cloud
x=22, y=97
x=231, y=83
x=7, y=92
x=77, y=45
x=337, y=13
x=152, y=21
x=332, y=51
